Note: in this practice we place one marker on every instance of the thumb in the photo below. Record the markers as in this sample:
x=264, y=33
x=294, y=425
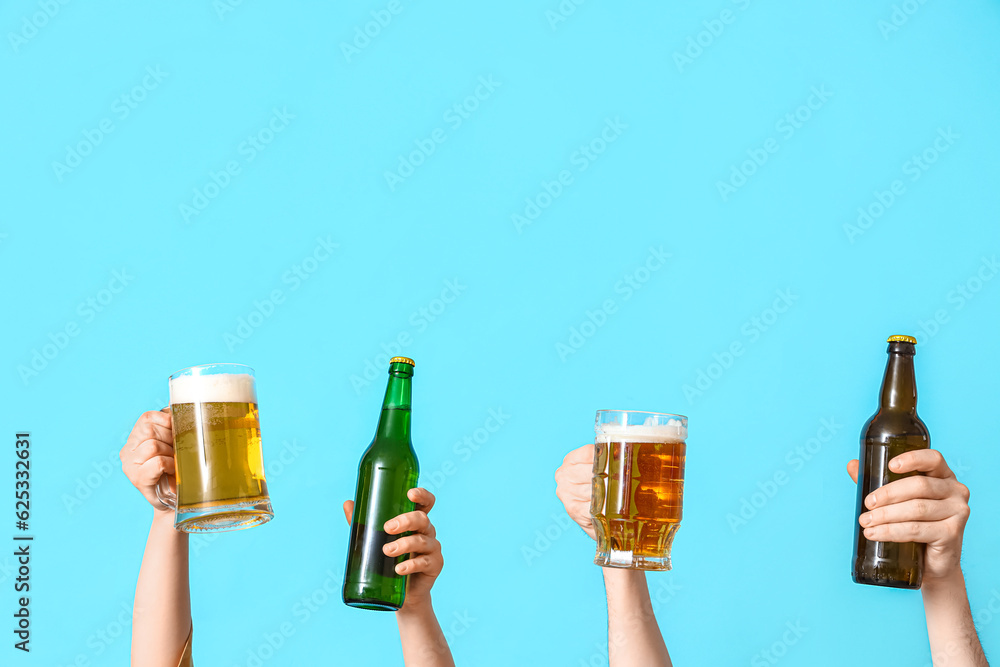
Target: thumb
x=348, y=510
x=852, y=469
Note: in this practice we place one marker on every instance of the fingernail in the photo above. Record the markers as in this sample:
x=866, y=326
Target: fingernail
x=869, y=533
x=391, y=524
x=870, y=501
x=894, y=464
x=866, y=518
x=389, y=548
x=399, y=569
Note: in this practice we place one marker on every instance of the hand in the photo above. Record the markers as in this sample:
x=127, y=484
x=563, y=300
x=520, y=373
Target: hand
x=425, y=561
x=148, y=454
x=930, y=508
x=574, y=486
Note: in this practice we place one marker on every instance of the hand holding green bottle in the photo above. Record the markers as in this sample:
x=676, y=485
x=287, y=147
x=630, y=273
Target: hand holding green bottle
x=425, y=560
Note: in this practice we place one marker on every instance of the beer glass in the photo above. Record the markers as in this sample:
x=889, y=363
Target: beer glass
x=219, y=464
x=638, y=487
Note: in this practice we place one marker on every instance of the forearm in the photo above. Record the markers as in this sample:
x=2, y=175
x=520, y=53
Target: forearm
x=161, y=614
x=952, y=634
x=423, y=641
x=633, y=636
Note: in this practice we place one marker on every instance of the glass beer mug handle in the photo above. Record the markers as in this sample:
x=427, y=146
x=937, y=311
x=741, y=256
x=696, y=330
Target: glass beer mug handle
x=166, y=497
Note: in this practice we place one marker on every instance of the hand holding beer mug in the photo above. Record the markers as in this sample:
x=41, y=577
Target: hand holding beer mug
x=217, y=451
x=638, y=487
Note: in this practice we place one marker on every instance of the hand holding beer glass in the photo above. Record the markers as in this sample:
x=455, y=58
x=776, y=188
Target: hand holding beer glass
x=219, y=465
x=638, y=487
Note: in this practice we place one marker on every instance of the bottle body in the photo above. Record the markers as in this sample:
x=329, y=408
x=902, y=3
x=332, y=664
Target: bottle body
x=388, y=470
x=895, y=564
x=893, y=430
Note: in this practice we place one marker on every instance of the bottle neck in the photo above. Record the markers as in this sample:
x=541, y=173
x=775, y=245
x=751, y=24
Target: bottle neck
x=899, y=387
x=394, y=422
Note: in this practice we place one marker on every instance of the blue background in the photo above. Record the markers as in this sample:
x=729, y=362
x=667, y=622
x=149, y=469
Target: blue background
x=518, y=585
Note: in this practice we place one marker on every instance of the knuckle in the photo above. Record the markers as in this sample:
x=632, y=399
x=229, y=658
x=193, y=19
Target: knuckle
x=913, y=529
x=921, y=507
x=964, y=492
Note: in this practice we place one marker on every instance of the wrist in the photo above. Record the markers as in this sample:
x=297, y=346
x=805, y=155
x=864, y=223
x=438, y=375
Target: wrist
x=163, y=519
x=416, y=606
x=950, y=583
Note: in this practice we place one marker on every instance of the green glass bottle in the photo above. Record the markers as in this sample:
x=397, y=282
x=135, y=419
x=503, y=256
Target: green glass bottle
x=894, y=429
x=387, y=471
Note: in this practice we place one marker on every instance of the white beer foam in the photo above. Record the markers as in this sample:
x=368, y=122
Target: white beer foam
x=673, y=431
x=220, y=388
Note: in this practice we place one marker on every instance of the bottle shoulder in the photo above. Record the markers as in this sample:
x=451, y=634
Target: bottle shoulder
x=382, y=448
x=886, y=424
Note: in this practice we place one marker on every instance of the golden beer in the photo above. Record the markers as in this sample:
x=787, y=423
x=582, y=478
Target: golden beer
x=222, y=461
x=638, y=488
x=217, y=450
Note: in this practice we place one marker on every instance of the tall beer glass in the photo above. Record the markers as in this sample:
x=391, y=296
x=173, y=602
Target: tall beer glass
x=217, y=452
x=638, y=487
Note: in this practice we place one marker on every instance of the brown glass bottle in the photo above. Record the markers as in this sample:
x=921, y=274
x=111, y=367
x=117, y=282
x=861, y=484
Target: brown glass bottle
x=894, y=429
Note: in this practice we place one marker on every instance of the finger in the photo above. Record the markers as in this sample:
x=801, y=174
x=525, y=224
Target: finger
x=149, y=448
x=415, y=521
x=919, y=509
x=852, y=469
x=907, y=531
x=412, y=544
x=929, y=461
x=149, y=473
x=583, y=454
x=910, y=488
x=429, y=565
x=151, y=424
x=348, y=510
x=422, y=497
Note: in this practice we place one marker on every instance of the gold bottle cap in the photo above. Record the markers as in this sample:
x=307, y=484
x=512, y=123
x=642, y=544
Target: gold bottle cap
x=407, y=360
x=902, y=339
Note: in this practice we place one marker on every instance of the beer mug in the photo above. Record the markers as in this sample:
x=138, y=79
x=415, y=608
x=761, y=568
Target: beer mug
x=638, y=487
x=219, y=465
